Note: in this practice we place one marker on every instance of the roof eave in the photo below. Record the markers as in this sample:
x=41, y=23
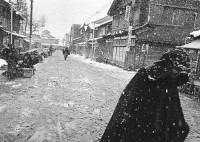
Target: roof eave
x=109, y=11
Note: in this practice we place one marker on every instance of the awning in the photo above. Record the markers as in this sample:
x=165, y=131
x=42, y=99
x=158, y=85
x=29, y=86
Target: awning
x=27, y=40
x=95, y=38
x=77, y=38
x=49, y=44
x=193, y=45
x=18, y=35
x=82, y=43
x=15, y=34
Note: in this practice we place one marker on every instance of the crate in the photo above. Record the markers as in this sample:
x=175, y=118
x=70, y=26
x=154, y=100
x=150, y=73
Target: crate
x=28, y=72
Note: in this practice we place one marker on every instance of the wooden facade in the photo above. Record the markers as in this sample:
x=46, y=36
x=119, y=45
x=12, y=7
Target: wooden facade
x=5, y=25
x=98, y=46
x=5, y=17
x=103, y=47
x=158, y=26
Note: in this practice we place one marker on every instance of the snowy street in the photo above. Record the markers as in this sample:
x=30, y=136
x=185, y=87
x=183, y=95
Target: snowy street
x=69, y=101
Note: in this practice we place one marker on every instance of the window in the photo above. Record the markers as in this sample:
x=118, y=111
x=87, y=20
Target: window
x=173, y=16
x=133, y=41
x=190, y=19
x=197, y=21
x=156, y=13
x=177, y=15
x=167, y=16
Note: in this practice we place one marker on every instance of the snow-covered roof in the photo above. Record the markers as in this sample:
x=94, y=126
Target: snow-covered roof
x=77, y=38
x=92, y=25
x=99, y=22
x=49, y=44
x=193, y=45
x=195, y=33
x=18, y=35
x=95, y=38
x=98, y=25
x=15, y=34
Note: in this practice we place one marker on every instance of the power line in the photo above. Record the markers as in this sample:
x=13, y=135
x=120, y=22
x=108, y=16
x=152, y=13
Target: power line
x=99, y=11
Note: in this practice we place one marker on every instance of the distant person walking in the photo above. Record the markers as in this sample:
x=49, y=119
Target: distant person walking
x=66, y=52
x=50, y=50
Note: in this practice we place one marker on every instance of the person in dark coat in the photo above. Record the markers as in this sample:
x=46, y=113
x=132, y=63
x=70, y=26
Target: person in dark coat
x=12, y=62
x=27, y=61
x=50, y=50
x=149, y=108
x=66, y=52
x=5, y=52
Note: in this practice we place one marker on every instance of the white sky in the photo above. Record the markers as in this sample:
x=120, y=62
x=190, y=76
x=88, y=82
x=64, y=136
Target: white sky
x=61, y=14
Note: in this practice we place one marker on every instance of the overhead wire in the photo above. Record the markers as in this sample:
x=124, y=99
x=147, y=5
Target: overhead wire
x=99, y=11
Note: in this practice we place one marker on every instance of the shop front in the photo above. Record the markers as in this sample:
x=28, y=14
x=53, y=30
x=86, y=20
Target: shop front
x=120, y=53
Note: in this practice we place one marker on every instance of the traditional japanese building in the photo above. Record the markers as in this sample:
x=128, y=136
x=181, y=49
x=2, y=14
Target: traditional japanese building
x=93, y=41
x=101, y=43
x=5, y=25
x=67, y=39
x=48, y=39
x=80, y=43
x=157, y=26
x=74, y=33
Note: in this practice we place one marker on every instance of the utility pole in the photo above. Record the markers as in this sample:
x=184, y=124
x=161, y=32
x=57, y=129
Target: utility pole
x=127, y=18
x=93, y=42
x=31, y=21
x=11, y=28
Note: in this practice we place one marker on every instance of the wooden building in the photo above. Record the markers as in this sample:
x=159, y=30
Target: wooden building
x=5, y=25
x=74, y=33
x=94, y=40
x=102, y=44
x=79, y=44
x=157, y=26
x=48, y=39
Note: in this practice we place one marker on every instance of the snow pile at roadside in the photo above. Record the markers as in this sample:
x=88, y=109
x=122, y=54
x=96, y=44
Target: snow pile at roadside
x=103, y=65
x=3, y=62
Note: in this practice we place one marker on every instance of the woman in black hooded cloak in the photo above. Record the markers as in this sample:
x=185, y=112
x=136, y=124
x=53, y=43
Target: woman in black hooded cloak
x=149, y=108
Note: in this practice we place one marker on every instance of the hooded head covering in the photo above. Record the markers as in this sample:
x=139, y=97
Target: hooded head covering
x=177, y=59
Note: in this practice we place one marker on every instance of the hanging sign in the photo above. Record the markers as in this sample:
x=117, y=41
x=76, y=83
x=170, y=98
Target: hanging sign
x=127, y=13
x=129, y=38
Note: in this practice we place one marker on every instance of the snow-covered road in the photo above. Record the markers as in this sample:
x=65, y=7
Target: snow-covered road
x=70, y=100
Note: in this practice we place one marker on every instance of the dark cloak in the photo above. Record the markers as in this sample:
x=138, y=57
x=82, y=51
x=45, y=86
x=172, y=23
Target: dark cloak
x=12, y=61
x=66, y=51
x=143, y=102
x=5, y=53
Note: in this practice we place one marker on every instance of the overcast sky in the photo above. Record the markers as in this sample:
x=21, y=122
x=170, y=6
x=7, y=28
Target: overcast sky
x=61, y=14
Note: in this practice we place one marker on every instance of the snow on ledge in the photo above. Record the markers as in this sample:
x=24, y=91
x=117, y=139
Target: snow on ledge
x=195, y=33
